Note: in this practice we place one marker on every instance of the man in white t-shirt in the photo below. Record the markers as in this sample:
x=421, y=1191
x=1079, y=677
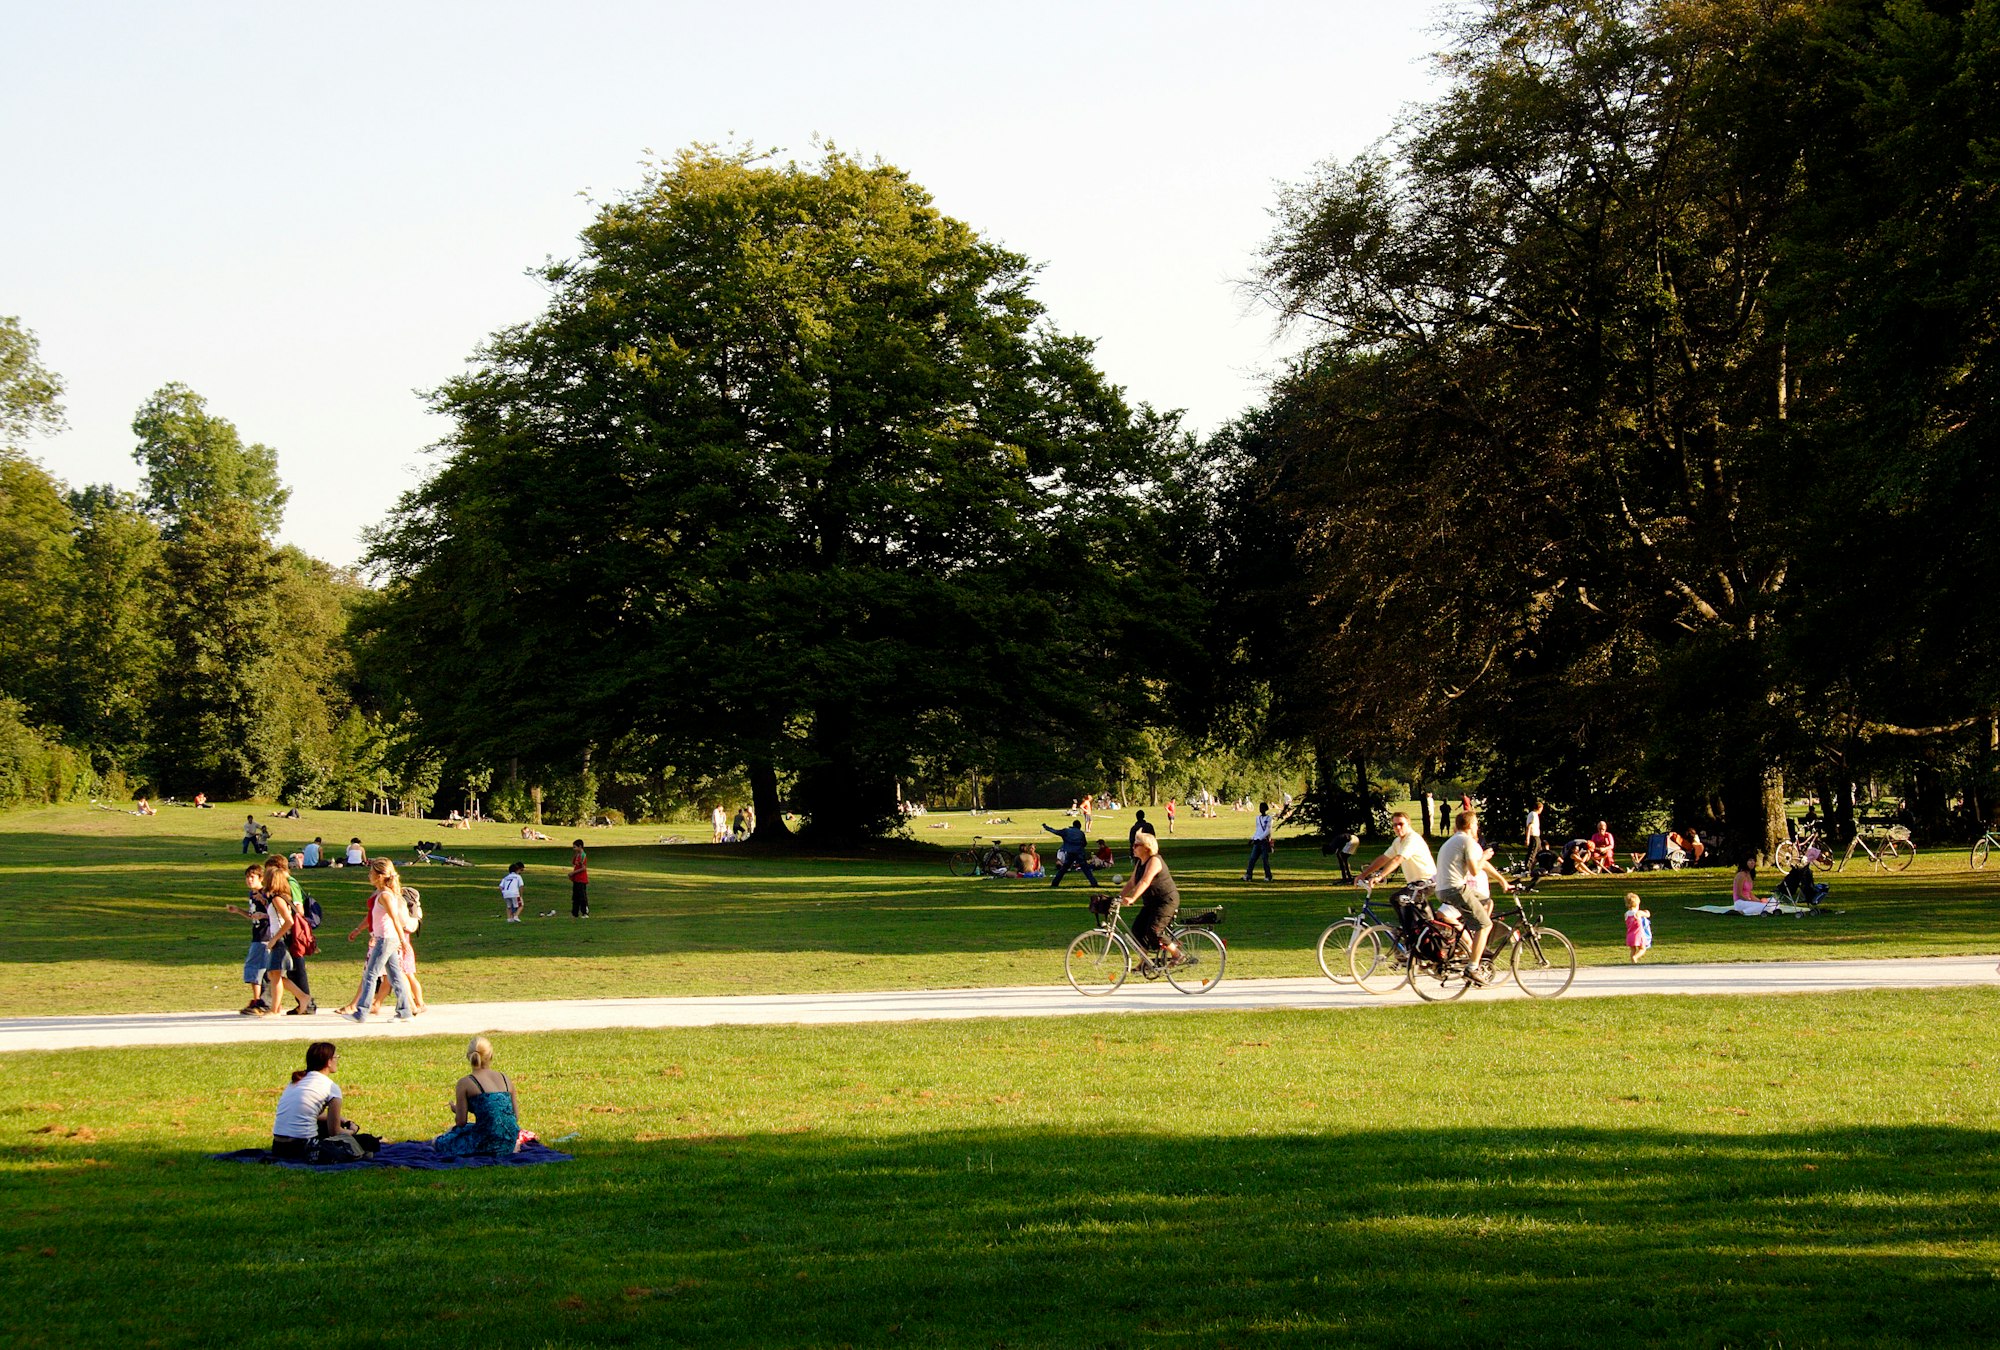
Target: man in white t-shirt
x=1461, y=863
x=1534, y=838
x=1407, y=850
x=1260, y=843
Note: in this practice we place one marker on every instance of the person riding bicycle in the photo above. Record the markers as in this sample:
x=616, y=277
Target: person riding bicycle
x=1152, y=885
x=1073, y=853
x=1462, y=869
x=1407, y=850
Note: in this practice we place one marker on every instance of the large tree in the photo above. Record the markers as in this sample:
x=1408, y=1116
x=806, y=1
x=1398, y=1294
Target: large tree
x=791, y=475
x=1558, y=462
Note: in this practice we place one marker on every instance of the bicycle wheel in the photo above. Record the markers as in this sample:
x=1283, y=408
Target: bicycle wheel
x=1375, y=961
x=1898, y=854
x=1097, y=962
x=1848, y=856
x=1543, y=961
x=1202, y=959
x=1785, y=856
x=1333, y=944
x=1980, y=851
x=1434, y=981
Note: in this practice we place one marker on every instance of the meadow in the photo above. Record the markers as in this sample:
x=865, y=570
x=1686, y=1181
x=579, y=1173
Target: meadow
x=1797, y=1171
x=104, y=912
x=1671, y=1172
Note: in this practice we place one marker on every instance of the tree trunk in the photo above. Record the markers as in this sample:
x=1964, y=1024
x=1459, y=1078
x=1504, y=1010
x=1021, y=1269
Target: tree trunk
x=766, y=805
x=1844, y=822
x=1754, y=815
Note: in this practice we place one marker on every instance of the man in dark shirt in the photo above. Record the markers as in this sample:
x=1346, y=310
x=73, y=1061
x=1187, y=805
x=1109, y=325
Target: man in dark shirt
x=1074, y=852
x=1140, y=825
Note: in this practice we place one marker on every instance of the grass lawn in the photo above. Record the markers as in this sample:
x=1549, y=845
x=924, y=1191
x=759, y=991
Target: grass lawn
x=1674, y=1172
x=104, y=912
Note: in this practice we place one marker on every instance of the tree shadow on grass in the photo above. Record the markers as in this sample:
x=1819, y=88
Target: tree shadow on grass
x=1396, y=1237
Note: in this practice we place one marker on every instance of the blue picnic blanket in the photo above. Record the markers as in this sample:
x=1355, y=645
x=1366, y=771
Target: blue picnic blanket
x=415, y=1154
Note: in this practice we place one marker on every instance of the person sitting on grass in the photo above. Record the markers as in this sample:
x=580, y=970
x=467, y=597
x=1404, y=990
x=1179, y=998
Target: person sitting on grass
x=1104, y=857
x=486, y=1096
x=357, y=856
x=1602, y=845
x=1743, y=898
x=309, y=1110
x=145, y=808
x=314, y=854
x=1031, y=863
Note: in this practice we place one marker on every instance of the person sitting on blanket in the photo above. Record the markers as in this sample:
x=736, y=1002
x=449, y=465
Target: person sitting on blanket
x=1744, y=898
x=309, y=1110
x=486, y=1095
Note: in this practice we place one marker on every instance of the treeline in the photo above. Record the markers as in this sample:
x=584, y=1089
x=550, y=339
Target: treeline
x=158, y=641
x=1639, y=459
x=1643, y=457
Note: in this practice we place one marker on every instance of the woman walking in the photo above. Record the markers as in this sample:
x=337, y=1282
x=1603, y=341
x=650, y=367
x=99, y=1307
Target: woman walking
x=388, y=935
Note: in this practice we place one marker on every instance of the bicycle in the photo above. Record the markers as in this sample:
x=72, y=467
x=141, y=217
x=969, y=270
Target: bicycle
x=979, y=860
x=1423, y=950
x=1099, y=959
x=1339, y=935
x=1809, y=848
x=1895, y=853
x=1983, y=849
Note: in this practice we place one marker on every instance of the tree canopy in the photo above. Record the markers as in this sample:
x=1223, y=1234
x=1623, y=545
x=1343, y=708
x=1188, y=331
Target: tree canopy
x=792, y=474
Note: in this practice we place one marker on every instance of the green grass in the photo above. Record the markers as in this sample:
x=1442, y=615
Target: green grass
x=102, y=912
x=1673, y=1172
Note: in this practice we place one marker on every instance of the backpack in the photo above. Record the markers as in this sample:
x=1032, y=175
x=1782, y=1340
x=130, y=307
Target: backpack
x=413, y=905
x=299, y=937
x=314, y=914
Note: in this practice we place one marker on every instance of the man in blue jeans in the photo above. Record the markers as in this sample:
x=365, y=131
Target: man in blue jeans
x=1260, y=843
x=1074, y=852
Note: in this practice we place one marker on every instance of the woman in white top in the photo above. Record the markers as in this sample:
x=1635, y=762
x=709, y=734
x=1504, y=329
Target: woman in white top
x=309, y=1109
x=357, y=856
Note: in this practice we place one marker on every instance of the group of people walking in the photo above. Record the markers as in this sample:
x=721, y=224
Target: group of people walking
x=282, y=920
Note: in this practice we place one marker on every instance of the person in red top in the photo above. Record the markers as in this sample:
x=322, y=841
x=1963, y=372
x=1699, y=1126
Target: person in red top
x=1601, y=845
x=579, y=883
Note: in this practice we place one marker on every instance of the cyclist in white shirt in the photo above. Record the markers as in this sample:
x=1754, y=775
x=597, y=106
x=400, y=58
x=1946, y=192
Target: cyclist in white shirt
x=1462, y=869
x=1407, y=850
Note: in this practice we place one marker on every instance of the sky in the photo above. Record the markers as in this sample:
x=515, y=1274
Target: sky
x=312, y=216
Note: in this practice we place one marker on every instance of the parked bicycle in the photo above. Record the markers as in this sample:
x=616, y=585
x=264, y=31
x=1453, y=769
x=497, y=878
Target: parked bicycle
x=1428, y=953
x=980, y=859
x=1891, y=850
x=1982, y=850
x=1809, y=848
x=1099, y=959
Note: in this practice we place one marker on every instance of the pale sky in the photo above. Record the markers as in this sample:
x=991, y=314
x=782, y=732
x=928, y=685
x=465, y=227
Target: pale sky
x=309, y=215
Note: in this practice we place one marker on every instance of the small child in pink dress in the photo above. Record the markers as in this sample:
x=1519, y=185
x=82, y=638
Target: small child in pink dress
x=1638, y=927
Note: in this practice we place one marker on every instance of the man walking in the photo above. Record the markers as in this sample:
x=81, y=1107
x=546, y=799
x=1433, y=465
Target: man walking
x=1534, y=839
x=1260, y=843
x=1140, y=825
x=1073, y=852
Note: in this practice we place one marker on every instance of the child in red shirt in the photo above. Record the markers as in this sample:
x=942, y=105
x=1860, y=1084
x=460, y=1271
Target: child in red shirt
x=579, y=883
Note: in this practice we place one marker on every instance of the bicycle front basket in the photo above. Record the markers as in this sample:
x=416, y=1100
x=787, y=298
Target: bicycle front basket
x=1100, y=905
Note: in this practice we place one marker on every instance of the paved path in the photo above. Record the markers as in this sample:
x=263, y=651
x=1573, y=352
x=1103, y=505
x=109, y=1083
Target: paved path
x=464, y=1019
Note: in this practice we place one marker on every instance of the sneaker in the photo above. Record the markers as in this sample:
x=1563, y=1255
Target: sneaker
x=359, y=1015
x=1478, y=977
x=254, y=1008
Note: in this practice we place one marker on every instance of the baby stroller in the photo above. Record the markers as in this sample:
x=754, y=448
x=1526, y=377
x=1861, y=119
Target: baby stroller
x=1799, y=888
x=1662, y=852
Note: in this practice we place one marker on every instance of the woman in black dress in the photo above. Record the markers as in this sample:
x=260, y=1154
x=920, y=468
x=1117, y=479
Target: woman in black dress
x=1152, y=885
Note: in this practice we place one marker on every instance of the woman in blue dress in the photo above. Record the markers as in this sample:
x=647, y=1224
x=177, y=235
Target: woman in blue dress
x=486, y=1109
